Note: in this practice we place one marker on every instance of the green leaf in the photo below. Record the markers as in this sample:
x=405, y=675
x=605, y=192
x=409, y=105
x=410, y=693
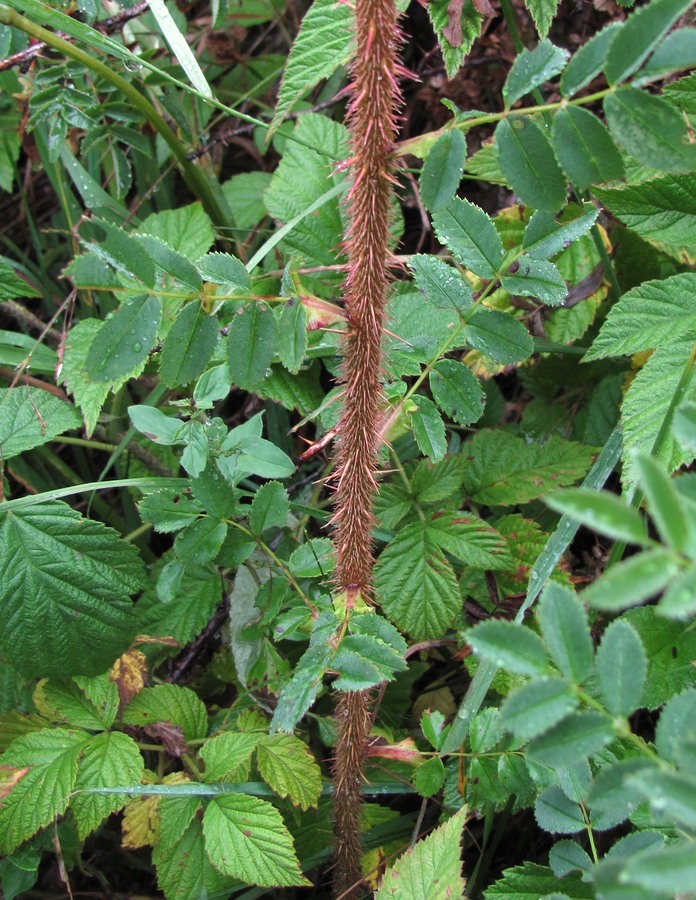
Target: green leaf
x=457, y=391
x=529, y=165
x=428, y=429
x=679, y=600
x=31, y=417
x=68, y=577
x=252, y=344
x=533, y=881
x=684, y=425
x=227, y=756
x=556, y=813
x=442, y=169
x=567, y=856
x=640, y=35
x=124, y=342
x=535, y=278
x=566, y=632
x=364, y=658
x=188, y=346
x=297, y=696
x=434, y=862
x=509, y=645
x=186, y=229
x=440, y=283
x=544, y=237
x=455, y=31
x=587, y=62
x=505, y=470
x=415, y=583
x=622, y=666
x=432, y=482
x=671, y=795
x=12, y=285
x=470, y=235
x=67, y=701
x=650, y=128
x=246, y=838
x=169, y=703
x=110, y=759
x=286, y=764
x=183, y=868
x=157, y=426
x=669, y=869
x=671, y=649
x=313, y=559
x=663, y=500
x=429, y=777
x=498, y=335
x=323, y=43
x=171, y=263
x=292, y=329
x=542, y=12
x=662, y=211
x=470, y=539
x=677, y=722
x=584, y=148
x=200, y=541
x=536, y=706
x=603, y=512
x=531, y=69
x=44, y=791
x=226, y=270
x=168, y=511
x=123, y=253
x=677, y=51
x=270, y=507
x=579, y=735
x=89, y=395
x=632, y=581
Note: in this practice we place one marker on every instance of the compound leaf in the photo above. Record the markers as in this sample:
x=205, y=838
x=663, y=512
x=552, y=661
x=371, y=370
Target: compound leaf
x=289, y=768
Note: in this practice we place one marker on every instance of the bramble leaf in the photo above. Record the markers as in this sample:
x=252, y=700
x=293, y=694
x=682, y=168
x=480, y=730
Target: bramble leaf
x=31, y=417
x=286, y=764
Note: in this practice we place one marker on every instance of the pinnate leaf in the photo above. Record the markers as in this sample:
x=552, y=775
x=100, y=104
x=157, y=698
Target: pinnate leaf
x=566, y=632
x=587, y=62
x=633, y=581
x=269, y=508
x=498, y=335
x=544, y=237
x=289, y=768
x=584, y=148
x=246, y=838
x=188, y=345
x=536, y=706
x=529, y=164
x=442, y=169
x=440, y=283
x=252, y=344
x=557, y=813
x=603, y=512
x=456, y=391
x=68, y=577
x=508, y=644
x=470, y=235
x=542, y=12
x=622, y=666
x=579, y=735
x=531, y=69
x=535, y=278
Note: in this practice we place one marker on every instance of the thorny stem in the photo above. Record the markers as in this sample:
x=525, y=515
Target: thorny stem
x=372, y=120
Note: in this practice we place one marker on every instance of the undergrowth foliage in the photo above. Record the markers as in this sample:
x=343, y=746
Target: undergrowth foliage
x=491, y=634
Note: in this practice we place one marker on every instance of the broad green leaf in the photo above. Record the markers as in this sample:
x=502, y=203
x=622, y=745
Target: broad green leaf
x=226, y=270
x=536, y=706
x=584, y=148
x=603, y=512
x=252, y=343
x=566, y=632
x=498, y=335
x=509, y=645
x=456, y=391
x=470, y=235
x=323, y=43
x=531, y=69
x=124, y=342
x=682, y=93
x=442, y=169
x=662, y=211
x=579, y=735
x=542, y=12
x=65, y=700
x=544, y=237
x=587, y=62
x=89, y=395
x=269, y=508
x=651, y=129
x=30, y=417
x=110, y=759
x=535, y=278
x=432, y=482
x=188, y=345
x=187, y=612
x=227, y=756
x=292, y=331
x=253, y=456
x=168, y=510
x=186, y=229
x=313, y=559
x=246, y=838
x=157, y=426
x=671, y=649
x=640, y=34
x=183, y=868
x=529, y=165
x=470, y=539
x=677, y=721
x=415, y=584
x=363, y=661
x=505, y=470
x=455, y=30
x=200, y=541
x=556, y=813
x=68, y=577
x=670, y=869
x=429, y=777
x=286, y=764
x=663, y=501
x=621, y=668
x=432, y=868
x=44, y=791
x=429, y=429
x=440, y=283
x=12, y=285
x=169, y=703
x=632, y=581
x=485, y=731
x=534, y=881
